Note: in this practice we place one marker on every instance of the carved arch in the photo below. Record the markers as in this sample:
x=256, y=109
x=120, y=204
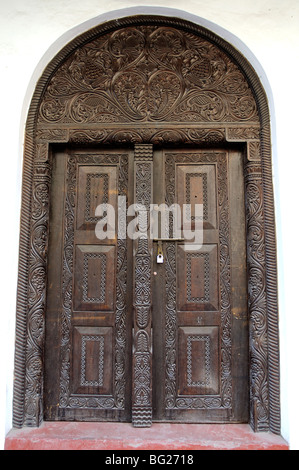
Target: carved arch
x=178, y=83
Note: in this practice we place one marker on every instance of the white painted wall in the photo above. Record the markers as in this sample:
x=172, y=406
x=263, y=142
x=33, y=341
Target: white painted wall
x=265, y=31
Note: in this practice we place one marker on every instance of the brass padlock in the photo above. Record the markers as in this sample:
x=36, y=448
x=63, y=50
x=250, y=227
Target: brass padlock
x=160, y=257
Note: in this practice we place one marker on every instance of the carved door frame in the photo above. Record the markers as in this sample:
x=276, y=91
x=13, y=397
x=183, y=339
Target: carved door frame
x=254, y=133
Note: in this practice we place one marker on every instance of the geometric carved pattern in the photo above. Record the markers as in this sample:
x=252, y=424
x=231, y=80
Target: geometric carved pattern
x=206, y=340
x=90, y=178
x=102, y=281
x=206, y=296
x=179, y=266
x=92, y=362
x=84, y=381
x=198, y=375
x=196, y=184
x=189, y=176
x=94, y=271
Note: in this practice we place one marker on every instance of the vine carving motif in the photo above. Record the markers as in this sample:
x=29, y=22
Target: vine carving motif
x=36, y=294
x=148, y=74
x=257, y=297
x=142, y=352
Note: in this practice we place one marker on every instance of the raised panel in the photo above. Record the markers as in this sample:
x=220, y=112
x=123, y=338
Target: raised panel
x=197, y=277
x=196, y=184
x=94, y=278
x=198, y=360
x=96, y=185
x=92, y=360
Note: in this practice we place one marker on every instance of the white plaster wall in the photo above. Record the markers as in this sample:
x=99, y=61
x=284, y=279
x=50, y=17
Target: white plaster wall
x=265, y=31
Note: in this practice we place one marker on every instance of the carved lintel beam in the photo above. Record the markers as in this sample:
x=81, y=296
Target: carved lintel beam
x=142, y=341
x=242, y=133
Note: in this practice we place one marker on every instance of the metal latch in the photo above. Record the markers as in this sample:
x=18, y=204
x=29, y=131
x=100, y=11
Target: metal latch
x=160, y=257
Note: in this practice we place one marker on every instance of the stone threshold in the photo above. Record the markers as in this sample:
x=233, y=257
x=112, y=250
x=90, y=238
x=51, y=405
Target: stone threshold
x=123, y=436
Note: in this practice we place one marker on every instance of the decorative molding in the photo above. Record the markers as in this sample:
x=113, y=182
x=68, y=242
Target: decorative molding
x=147, y=74
x=33, y=405
x=257, y=298
x=224, y=399
x=207, y=360
x=142, y=341
x=66, y=400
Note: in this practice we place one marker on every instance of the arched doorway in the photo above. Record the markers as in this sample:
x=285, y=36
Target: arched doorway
x=159, y=108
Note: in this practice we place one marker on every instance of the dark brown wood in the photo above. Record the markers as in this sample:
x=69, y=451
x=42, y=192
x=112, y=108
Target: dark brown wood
x=203, y=317
x=197, y=370
x=88, y=317
x=142, y=298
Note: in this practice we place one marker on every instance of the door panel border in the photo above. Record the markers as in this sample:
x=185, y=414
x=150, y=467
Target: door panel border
x=222, y=402
x=112, y=399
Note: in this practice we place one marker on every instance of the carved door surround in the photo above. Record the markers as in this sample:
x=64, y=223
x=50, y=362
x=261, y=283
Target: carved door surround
x=159, y=81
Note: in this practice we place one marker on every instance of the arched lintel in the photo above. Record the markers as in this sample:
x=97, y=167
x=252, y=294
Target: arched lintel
x=104, y=24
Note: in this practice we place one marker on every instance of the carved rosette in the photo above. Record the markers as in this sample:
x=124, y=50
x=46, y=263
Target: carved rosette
x=142, y=341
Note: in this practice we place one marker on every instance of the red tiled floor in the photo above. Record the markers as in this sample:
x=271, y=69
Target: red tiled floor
x=120, y=436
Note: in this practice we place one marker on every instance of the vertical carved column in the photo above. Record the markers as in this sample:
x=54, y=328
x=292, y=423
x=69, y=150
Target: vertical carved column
x=257, y=301
x=37, y=294
x=272, y=293
x=142, y=341
x=23, y=280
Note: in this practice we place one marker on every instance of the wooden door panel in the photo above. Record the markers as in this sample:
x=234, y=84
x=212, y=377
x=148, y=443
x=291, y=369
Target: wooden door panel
x=89, y=319
x=196, y=184
x=98, y=185
x=92, y=361
x=199, y=342
x=94, y=271
x=197, y=370
x=197, y=277
x=198, y=353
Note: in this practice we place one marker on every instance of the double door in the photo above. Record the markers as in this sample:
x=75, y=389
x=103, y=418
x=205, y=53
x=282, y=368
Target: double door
x=146, y=301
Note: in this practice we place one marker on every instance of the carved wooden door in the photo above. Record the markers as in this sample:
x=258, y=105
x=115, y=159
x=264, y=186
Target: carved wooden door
x=199, y=293
x=88, y=324
x=131, y=339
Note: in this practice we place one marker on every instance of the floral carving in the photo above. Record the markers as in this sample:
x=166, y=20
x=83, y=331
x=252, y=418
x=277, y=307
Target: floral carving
x=148, y=74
